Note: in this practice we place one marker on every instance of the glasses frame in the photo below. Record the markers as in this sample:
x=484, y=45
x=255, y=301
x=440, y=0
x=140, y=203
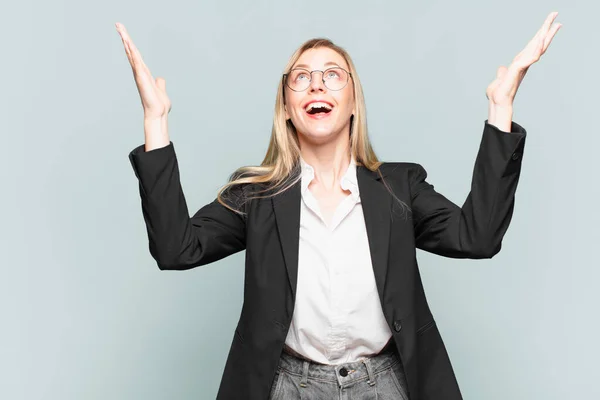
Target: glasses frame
x=284, y=78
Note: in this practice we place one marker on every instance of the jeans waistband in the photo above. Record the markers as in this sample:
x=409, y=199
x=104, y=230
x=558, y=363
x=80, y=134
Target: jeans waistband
x=366, y=368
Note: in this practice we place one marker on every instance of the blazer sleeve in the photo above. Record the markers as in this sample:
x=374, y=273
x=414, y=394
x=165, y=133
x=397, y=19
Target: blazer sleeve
x=476, y=229
x=176, y=241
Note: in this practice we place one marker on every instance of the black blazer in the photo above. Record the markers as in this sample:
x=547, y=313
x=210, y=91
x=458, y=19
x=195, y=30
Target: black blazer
x=269, y=232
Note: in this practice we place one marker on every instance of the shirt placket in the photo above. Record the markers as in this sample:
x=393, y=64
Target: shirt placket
x=337, y=334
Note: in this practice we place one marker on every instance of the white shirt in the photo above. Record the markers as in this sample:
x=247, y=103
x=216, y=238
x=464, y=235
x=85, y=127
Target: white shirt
x=337, y=315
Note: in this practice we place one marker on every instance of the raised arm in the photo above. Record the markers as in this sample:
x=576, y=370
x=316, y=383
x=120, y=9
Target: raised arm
x=176, y=240
x=476, y=229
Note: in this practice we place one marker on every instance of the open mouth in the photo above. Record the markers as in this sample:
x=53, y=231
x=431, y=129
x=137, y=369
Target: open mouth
x=318, y=108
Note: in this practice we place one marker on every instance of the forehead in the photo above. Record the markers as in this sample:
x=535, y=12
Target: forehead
x=320, y=58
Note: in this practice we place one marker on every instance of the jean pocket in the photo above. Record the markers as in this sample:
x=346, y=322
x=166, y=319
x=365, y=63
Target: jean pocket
x=397, y=373
x=276, y=385
x=388, y=384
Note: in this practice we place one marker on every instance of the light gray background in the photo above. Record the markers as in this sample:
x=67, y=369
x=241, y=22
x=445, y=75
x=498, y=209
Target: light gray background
x=86, y=314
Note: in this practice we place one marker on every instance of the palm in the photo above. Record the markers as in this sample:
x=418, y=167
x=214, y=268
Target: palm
x=152, y=91
x=503, y=89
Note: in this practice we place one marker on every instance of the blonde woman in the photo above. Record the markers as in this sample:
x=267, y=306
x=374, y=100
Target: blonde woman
x=333, y=304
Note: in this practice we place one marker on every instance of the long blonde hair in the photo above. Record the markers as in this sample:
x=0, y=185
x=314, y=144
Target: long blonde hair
x=283, y=154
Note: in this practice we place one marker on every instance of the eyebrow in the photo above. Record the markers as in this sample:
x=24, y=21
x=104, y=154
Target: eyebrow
x=327, y=64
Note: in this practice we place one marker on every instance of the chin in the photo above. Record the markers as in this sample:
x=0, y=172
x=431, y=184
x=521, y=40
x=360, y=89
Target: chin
x=319, y=135
x=320, y=131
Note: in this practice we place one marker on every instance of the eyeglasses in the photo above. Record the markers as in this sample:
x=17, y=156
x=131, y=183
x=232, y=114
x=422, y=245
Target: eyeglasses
x=299, y=79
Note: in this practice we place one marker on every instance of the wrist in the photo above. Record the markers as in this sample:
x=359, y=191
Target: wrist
x=154, y=119
x=500, y=116
x=156, y=133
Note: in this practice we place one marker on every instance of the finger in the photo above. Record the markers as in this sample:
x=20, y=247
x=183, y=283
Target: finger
x=550, y=36
x=140, y=61
x=549, y=20
x=130, y=56
x=136, y=63
x=131, y=47
x=122, y=32
x=140, y=69
x=127, y=44
x=532, y=52
x=137, y=56
x=143, y=78
x=545, y=26
x=127, y=52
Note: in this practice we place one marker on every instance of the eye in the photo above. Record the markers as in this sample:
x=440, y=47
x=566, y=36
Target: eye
x=299, y=75
x=332, y=73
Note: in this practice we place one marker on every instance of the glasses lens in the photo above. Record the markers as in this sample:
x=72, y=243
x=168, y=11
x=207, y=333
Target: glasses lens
x=298, y=79
x=335, y=78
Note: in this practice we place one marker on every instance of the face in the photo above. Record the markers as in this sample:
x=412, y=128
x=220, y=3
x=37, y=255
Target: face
x=319, y=113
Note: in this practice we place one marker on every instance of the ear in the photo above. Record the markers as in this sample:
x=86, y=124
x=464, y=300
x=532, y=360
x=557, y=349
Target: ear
x=287, y=115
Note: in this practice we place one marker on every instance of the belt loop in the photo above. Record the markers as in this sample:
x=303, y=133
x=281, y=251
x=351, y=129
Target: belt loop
x=304, y=380
x=367, y=362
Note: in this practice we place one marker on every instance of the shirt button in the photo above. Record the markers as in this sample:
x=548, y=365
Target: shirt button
x=343, y=371
x=397, y=326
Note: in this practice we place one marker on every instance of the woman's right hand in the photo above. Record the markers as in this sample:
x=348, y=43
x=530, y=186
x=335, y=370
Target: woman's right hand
x=152, y=91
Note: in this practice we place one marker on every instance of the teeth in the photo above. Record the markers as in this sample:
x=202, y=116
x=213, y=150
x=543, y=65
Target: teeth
x=318, y=105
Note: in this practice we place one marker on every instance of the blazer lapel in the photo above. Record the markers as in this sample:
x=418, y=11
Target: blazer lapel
x=286, y=206
x=377, y=206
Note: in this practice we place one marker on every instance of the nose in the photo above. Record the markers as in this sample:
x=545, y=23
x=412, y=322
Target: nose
x=316, y=82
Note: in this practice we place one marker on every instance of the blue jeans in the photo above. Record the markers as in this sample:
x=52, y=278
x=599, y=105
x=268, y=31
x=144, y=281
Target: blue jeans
x=380, y=377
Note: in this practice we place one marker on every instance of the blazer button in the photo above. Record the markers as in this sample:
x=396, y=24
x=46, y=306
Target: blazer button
x=397, y=326
x=515, y=156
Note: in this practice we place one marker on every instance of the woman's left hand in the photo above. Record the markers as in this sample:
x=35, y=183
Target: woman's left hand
x=501, y=92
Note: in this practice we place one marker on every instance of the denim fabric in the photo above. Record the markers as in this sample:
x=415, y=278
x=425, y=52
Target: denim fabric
x=380, y=377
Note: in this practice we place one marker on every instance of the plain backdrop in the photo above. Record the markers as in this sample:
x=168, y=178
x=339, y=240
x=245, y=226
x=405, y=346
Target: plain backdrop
x=86, y=313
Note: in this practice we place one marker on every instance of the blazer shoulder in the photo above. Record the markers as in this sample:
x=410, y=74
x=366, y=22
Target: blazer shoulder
x=400, y=169
x=241, y=194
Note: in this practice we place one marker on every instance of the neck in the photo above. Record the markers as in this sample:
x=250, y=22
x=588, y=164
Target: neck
x=330, y=160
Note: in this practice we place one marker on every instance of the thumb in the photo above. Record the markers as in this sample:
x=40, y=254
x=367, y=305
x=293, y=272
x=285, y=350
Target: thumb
x=161, y=83
x=501, y=72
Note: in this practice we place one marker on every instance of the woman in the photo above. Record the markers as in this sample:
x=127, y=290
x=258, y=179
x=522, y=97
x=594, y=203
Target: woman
x=333, y=301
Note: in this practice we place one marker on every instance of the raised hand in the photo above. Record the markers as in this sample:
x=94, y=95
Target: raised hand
x=501, y=92
x=152, y=91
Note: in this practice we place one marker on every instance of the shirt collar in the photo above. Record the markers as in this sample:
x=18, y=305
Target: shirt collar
x=348, y=182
